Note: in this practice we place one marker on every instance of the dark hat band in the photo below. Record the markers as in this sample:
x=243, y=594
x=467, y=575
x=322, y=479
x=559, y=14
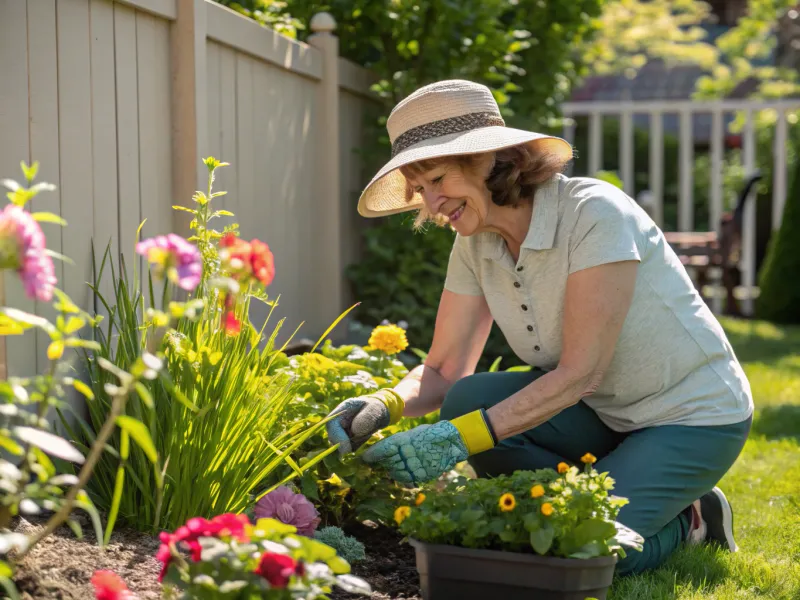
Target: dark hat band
x=436, y=129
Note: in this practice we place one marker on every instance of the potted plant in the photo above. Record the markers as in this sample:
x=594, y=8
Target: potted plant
x=547, y=534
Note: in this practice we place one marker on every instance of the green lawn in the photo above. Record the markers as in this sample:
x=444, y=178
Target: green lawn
x=763, y=487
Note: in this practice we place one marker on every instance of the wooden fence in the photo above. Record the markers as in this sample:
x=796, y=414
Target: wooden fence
x=119, y=100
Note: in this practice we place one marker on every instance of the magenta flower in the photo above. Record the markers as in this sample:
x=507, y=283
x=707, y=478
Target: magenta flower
x=173, y=255
x=23, y=248
x=290, y=508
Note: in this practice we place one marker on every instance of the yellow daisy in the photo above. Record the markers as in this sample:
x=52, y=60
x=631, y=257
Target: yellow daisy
x=507, y=502
x=401, y=513
x=537, y=491
x=563, y=467
x=547, y=509
x=588, y=459
x=420, y=499
x=390, y=339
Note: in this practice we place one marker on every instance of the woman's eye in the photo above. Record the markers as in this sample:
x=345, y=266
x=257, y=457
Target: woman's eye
x=438, y=179
x=419, y=189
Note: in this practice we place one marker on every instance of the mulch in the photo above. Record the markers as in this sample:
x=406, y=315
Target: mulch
x=61, y=566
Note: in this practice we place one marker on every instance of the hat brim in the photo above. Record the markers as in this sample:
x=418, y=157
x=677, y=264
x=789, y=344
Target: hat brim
x=386, y=193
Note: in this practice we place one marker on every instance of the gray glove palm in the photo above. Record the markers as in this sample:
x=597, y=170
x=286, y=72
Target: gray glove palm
x=357, y=419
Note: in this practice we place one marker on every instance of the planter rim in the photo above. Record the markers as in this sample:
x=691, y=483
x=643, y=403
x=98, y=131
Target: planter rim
x=555, y=561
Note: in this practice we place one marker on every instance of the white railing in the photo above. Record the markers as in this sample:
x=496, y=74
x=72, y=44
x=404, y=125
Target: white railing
x=625, y=112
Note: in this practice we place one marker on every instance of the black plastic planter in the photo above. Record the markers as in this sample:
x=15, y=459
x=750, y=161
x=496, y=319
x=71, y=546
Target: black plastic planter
x=453, y=573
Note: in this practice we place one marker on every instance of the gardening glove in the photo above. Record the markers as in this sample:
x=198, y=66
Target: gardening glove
x=358, y=418
x=422, y=454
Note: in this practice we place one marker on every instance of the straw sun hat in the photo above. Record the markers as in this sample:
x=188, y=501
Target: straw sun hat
x=443, y=119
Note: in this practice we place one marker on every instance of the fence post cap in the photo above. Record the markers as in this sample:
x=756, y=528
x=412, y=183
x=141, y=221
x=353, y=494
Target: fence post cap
x=323, y=22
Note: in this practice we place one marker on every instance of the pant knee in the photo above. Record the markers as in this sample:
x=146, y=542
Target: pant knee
x=633, y=563
x=483, y=390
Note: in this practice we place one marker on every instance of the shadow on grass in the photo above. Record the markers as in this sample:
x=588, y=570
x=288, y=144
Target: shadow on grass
x=700, y=569
x=760, y=342
x=778, y=422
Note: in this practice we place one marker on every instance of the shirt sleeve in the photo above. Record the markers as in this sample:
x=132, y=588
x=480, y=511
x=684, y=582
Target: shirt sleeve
x=461, y=277
x=606, y=231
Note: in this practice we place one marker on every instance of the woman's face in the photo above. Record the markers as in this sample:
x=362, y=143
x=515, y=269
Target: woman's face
x=458, y=193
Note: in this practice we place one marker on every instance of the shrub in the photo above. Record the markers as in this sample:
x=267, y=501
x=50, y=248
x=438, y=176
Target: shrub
x=566, y=513
x=779, y=300
x=348, y=547
x=218, y=423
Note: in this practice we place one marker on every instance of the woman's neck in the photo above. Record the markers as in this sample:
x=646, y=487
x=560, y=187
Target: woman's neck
x=512, y=224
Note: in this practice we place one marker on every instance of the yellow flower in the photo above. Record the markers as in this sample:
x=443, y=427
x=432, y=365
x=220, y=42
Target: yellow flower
x=390, y=339
x=55, y=350
x=420, y=499
x=588, y=459
x=334, y=480
x=537, y=491
x=547, y=509
x=401, y=513
x=563, y=467
x=507, y=502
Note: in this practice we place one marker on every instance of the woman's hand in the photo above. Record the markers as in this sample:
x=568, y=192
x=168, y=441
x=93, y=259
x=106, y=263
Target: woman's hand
x=359, y=418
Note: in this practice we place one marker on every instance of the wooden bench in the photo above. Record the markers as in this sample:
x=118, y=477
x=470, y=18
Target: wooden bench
x=701, y=251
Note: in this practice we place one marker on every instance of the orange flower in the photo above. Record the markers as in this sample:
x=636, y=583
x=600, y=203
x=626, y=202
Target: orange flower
x=588, y=459
x=547, y=509
x=563, y=467
x=401, y=513
x=537, y=491
x=420, y=499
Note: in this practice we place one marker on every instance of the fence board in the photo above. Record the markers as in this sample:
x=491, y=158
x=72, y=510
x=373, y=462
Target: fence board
x=127, y=131
x=104, y=140
x=657, y=166
x=75, y=143
x=228, y=111
x=43, y=93
x=685, y=172
x=748, y=258
x=779, y=175
x=15, y=146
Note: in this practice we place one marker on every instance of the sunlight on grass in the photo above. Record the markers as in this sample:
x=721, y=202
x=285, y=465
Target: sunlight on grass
x=763, y=486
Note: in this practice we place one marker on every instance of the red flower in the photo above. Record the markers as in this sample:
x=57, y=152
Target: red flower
x=109, y=586
x=232, y=325
x=247, y=260
x=226, y=525
x=262, y=262
x=278, y=568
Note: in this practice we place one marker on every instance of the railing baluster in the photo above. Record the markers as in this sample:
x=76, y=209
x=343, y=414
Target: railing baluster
x=657, y=166
x=685, y=172
x=626, y=151
x=779, y=175
x=595, y=143
x=569, y=135
x=748, y=260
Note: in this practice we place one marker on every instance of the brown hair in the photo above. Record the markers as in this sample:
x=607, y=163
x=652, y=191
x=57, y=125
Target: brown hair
x=516, y=173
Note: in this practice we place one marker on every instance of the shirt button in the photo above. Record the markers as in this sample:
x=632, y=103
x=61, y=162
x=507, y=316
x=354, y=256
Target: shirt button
x=537, y=348
x=519, y=269
x=530, y=327
x=524, y=307
x=517, y=284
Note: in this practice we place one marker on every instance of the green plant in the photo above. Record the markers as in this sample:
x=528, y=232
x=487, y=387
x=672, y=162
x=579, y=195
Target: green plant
x=568, y=513
x=348, y=547
x=219, y=426
x=779, y=300
x=230, y=557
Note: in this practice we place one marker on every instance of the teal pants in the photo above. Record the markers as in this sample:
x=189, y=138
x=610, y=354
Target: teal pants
x=661, y=470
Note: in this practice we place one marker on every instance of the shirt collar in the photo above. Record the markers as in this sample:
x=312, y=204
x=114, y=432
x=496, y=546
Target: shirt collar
x=542, y=231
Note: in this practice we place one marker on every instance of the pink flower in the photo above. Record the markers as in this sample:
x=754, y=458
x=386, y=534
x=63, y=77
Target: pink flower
x=23, y=248
x=290, y=508
x=278, y=568
x=109, y=586
x=176, y=257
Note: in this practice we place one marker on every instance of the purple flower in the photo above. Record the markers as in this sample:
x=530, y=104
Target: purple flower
x=290, y=508
x=176, y=257
x=23, y=247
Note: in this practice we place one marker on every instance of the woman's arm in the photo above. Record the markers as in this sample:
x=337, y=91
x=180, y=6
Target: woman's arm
x=463, y=323
x=595, y=305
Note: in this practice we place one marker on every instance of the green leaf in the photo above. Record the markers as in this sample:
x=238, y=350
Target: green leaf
x=495, y=365
x=73, y=324
x=58, y=256
x=65, y=304
x=6, y=443
x=83, y=389
x=184, y=209
x=144, y=394
x=48, y=217
x=80, y=343
x=24, y=318
x=542, y=539
x=140, y=435
x=31, y=171
x=5, y=569
x=50, y=443
x=338, y=565
x=273, y=527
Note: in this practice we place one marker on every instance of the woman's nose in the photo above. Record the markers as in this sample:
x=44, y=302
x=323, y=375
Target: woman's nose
x=432, y=200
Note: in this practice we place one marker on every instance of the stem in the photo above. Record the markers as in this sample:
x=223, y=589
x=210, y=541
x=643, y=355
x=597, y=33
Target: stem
x=86, y=471
x=40, y=414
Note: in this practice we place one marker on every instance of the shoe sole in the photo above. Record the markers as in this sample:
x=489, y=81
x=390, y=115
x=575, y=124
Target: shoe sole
x=727, y=519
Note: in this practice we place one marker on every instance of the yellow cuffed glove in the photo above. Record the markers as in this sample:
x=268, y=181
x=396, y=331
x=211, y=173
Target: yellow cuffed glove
x=359, y=418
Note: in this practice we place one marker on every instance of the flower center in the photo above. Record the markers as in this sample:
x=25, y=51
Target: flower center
x=285, y=513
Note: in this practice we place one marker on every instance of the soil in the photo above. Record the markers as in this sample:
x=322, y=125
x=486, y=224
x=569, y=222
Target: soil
x=390, y=567
x=60, y=567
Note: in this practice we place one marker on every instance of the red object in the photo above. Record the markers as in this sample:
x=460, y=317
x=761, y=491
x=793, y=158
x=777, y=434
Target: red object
x=226, y=525
x=278, y=568
x=248, y=259
x=232, y=325
x=263, y=262
x=109, y=586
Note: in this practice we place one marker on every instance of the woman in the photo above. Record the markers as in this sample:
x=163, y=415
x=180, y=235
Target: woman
x=629, y=363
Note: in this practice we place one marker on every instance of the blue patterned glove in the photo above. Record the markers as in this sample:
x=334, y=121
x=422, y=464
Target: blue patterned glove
x=420, y=454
